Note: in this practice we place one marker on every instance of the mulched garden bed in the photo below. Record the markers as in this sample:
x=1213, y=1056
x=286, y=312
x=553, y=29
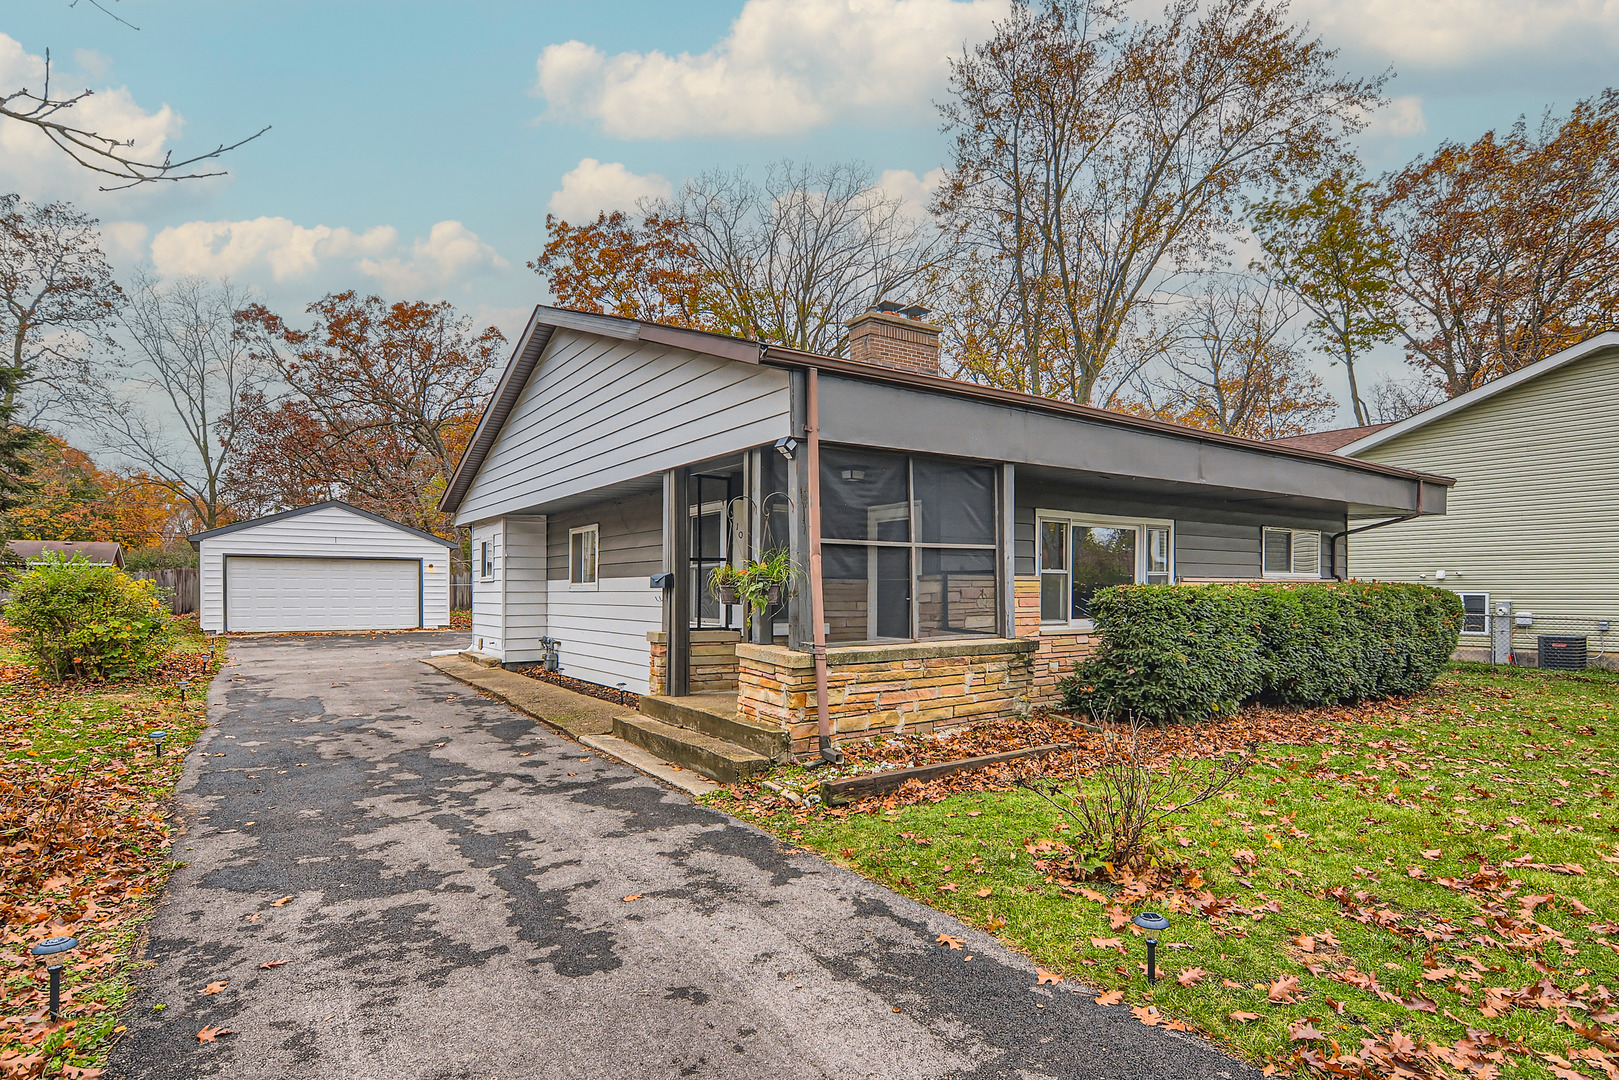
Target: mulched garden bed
x=627, y=698
x=1258, y=723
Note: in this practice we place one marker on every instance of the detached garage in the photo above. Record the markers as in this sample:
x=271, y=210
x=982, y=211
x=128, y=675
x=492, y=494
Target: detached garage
x=330, y=566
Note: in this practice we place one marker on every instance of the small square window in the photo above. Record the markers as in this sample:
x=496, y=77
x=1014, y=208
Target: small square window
x=1291, y=553
x=582, y=550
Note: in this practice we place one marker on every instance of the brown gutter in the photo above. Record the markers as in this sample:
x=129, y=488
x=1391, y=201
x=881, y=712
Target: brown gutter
x=812, y=429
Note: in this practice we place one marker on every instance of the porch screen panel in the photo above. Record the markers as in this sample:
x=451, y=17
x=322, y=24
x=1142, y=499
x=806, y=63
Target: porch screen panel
x=955, y=593
x=955, y=503
x=864, y=496
x=910, y=546
x=867, y=592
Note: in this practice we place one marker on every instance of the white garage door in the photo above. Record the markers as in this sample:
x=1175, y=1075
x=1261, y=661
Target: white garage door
x=267, y=594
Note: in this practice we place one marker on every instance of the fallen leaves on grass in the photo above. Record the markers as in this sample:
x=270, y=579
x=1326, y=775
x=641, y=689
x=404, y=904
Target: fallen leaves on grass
x=1191, y=976
x=1241, y=1017
x=83, y=843
x=1284, y=991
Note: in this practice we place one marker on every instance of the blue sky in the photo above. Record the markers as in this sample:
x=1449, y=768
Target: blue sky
x=417, y=147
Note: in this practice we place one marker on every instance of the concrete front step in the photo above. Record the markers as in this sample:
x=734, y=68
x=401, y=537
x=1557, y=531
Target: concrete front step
x=715, y=758
x=715, y=715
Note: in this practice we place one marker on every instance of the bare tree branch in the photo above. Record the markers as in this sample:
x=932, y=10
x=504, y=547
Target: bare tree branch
x=100, y=153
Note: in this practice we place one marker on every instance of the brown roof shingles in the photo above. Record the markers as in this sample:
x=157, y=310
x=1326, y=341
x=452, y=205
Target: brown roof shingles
x=1328, y=442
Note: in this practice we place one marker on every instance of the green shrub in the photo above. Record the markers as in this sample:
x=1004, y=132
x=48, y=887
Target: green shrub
x=78, y=619
x=1171, y=652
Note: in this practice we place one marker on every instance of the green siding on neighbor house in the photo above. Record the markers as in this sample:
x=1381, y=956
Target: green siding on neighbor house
x=1534, y=515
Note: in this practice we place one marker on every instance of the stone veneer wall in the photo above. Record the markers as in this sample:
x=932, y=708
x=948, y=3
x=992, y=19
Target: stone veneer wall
x=875, y=689
x=1059, y=649
x=713, y=661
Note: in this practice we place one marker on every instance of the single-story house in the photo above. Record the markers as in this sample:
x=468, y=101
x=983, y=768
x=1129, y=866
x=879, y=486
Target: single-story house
x=330, y=566
x=1534, y=520
x=101, y=552
x=962, y=529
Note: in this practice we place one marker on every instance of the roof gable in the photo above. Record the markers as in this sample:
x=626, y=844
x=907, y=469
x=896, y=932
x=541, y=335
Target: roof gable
x=329, y=504
x=1586, y=349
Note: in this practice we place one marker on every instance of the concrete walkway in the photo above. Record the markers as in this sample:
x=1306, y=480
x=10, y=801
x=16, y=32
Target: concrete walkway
x=474, y=896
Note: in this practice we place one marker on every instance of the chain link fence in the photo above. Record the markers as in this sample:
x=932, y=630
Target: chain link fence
x=1526, y=638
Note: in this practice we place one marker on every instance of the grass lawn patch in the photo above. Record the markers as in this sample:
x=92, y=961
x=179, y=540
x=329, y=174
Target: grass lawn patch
x=84, y=843
x=1425, y=887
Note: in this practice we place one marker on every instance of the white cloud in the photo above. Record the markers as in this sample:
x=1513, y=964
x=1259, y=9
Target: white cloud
x=124, y=241
x=31, y=165
x=282, y=250
x=1401, y=117
x=592, y=187
x=450, y=254
x=915, y=191
x=1448, y=32
x=785, y=66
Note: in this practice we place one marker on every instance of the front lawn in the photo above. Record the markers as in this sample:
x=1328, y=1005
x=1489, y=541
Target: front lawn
x=84, y=843
x=1428, y=889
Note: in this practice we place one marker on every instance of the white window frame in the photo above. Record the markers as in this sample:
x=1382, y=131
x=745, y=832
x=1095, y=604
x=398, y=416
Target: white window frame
x=1104, y=521
x=594, y=532
x=486, y=560
x=1290, y=575
x=1485, y=616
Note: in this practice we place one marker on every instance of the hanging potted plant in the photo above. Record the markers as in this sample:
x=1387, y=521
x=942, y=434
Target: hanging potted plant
x=725, y=581
x=764, y=581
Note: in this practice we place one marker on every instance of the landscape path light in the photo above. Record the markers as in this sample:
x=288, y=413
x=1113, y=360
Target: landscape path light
x=157, y=741
x=54, y=946
x=1154, y=924
x=183, y=684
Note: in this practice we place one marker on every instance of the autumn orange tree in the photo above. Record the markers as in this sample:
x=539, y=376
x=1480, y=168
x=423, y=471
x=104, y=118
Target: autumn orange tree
x=1508, y=248
x=1095, y=158
x=615, y=265
x=380, y=399
x=70, y=497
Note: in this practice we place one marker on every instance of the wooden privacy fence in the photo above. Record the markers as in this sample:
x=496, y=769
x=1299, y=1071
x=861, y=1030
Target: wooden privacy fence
x=182, y=585
x=461, y=591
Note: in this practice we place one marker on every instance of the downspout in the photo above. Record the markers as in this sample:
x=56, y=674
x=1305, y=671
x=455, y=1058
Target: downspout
x=1333, y=537
x=812, y=429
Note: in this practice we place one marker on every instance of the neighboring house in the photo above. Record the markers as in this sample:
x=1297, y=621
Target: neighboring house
x=330, y=566
x=1534, y=518
x=964, y=528
x=106, y=553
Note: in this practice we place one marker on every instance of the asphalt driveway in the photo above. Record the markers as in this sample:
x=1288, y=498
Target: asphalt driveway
x=474, y=896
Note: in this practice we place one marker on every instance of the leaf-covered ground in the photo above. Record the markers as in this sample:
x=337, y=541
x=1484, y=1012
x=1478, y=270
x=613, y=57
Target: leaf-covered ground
x=84, y=844
x=1428, y=887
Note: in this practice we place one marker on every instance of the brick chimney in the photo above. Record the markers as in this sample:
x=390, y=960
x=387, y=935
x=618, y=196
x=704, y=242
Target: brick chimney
x=891, y=336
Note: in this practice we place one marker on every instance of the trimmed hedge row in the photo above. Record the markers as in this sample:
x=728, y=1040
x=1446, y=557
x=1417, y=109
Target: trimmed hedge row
x=1172, y=652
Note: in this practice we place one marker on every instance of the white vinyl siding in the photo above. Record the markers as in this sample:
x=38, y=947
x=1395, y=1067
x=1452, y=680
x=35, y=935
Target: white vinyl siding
x=329, y=532
x=604, y=632
x=523, y=592
x=488, y=619
x=1535, y=510
x=598, y=411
